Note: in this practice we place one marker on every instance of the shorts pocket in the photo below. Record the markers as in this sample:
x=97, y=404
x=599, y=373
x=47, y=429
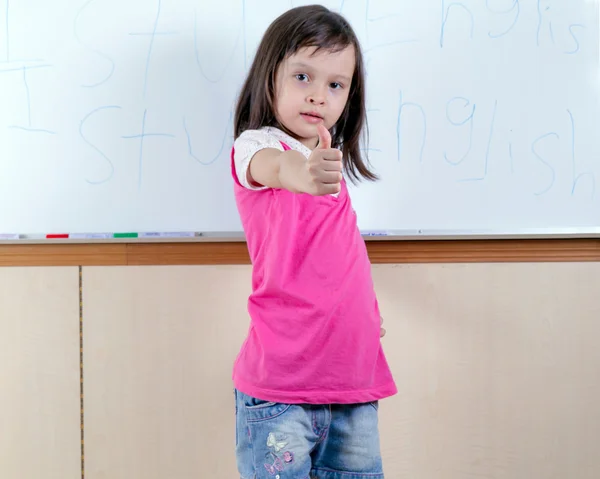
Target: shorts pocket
x=252, y=403
x=258, y=410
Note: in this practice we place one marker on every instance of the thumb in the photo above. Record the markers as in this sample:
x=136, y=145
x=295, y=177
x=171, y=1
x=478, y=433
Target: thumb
x=324, y=138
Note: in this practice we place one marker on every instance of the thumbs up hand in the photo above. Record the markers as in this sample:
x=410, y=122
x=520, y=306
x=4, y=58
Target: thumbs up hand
x=319, y=175
x=324, y=167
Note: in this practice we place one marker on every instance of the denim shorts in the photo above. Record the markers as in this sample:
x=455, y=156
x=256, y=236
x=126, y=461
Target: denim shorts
x=304, y=441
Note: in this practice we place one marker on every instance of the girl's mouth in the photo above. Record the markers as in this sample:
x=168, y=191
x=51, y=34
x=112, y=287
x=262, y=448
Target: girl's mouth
x=312, y=117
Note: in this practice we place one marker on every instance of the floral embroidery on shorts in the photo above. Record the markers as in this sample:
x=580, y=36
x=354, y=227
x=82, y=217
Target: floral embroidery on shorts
x=276, y=466
x=276, y=443
x=274, y=461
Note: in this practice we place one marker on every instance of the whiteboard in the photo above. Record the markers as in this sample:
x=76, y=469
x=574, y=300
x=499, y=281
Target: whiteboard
x=117, y=115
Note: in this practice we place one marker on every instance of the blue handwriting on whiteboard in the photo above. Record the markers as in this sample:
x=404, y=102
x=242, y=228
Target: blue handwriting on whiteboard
x=94, y=147
x=216, y=157
x=29, y=127
x=469, y=118
x=8, y=43
x=572, y=27
x=541, y=22
x=227, y=63
x=368, y=20
x=515, y=6
x=32, y=130
x=150, y=47
x=576, y=49
x=399, y=127
x=141, y=137
x=446, y=14
x=488, y=148
x=385, y=16
x=577, y=177
x=551, y=134
x=97, y=52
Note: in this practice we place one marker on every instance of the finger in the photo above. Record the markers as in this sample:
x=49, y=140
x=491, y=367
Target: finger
x=335, y=178
x=382, y=332
x=331, y=165
x=328, y=188
x=324, y=137
x=331, y=188
x=332, y=154
x=330, y=177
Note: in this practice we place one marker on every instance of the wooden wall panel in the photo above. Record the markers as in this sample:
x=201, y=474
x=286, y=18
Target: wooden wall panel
x=497, y=367
x=381, y=252
x=40, y=434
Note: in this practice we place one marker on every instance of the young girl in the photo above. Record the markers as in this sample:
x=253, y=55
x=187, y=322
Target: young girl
x=312, y=370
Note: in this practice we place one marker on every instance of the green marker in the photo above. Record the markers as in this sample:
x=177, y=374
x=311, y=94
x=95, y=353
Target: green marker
x=125, y=235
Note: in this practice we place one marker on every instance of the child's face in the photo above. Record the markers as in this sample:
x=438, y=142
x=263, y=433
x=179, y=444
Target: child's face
x=313, y=88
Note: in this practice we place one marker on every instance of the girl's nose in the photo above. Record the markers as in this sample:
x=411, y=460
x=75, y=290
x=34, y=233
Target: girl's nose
x=317, y=97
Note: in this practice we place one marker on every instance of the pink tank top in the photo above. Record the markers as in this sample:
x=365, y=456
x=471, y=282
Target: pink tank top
x=314, y=317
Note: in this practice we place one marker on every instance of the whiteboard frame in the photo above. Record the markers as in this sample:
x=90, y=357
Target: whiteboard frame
x=396, y=235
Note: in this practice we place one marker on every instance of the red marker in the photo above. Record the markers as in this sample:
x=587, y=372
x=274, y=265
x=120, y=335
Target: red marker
x=57, y=236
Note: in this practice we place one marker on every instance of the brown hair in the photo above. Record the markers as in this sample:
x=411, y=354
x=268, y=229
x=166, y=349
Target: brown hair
x=300, y=27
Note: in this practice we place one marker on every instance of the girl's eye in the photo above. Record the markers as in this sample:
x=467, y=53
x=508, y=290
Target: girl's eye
x=335, y=85
x=301, y=77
